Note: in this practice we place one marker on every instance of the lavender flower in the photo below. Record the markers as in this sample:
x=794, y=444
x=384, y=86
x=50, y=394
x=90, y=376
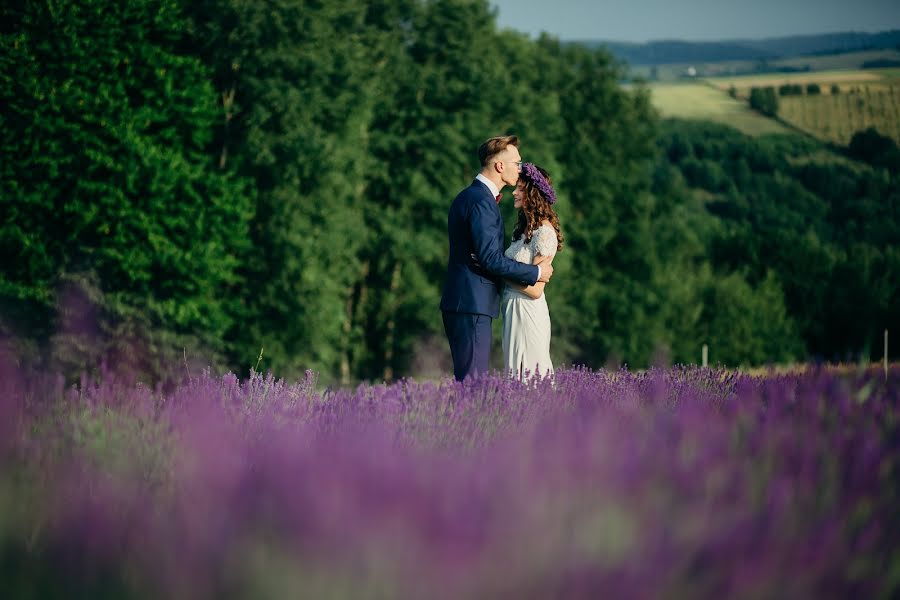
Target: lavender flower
x=530, y=171
x=679, y=483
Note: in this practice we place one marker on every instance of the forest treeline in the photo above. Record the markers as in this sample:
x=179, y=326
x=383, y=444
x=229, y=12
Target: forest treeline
x=664, y=52
x=223, y=179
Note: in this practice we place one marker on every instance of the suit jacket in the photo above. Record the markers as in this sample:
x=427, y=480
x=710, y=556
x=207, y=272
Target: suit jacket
x=475, y=227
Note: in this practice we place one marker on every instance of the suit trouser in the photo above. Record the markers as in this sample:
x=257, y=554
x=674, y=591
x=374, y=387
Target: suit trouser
x=470, y=342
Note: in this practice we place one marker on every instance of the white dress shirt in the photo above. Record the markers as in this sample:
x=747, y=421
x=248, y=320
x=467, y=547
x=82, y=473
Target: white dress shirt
x=489, y=184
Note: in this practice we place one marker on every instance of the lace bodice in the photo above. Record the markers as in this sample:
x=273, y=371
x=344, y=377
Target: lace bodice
x=543, y=242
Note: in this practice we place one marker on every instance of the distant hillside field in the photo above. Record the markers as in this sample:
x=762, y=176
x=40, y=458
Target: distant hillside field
x=837, y=117
x=661, y=52
x=699, y=101
x=733, y=68
x=823, y=78
x=848, y=101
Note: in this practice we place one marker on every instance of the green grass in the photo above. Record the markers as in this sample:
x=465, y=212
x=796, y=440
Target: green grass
x=836, y=118
x=699, y=101
x=867, y=98
x=890, y=75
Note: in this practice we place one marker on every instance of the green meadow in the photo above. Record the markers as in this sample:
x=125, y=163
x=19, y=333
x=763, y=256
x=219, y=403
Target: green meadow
x=848, y=101
x=837, y=117
x=701, y=101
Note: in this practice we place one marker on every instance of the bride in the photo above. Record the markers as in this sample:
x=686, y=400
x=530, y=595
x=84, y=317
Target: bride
x=526, y=318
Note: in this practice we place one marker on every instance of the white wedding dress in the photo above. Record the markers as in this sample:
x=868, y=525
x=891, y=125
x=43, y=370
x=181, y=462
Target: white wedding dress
x=526, y=320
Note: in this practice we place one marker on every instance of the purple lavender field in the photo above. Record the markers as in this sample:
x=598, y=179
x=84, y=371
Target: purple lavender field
x=680, y=483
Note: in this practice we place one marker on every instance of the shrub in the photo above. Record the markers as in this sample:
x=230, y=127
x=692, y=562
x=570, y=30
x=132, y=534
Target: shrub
x=764, y=100
x=790, y=89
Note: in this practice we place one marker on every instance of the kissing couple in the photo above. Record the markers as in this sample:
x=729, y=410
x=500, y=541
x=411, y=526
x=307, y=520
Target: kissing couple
x=482, y=277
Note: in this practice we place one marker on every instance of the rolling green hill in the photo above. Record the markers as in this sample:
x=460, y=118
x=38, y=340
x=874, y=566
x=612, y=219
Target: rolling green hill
x=846, y=102
x=678, y=51
x=703, y=102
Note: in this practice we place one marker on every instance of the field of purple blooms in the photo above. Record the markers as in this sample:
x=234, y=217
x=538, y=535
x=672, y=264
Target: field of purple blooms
x=675, y=483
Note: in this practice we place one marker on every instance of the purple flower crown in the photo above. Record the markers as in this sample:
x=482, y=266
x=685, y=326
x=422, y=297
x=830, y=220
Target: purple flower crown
x=531, y=172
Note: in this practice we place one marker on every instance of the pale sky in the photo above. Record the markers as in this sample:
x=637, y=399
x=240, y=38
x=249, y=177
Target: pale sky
x=694, y=20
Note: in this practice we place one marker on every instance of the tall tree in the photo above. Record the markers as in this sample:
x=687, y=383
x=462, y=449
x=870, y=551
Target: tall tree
x=298, y=82
x=612, y=304
x=106, y=173
x=788, y=214
x=445, y=97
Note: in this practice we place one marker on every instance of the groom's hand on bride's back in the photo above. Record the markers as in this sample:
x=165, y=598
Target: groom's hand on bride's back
x=476, y=265
x=546, y=264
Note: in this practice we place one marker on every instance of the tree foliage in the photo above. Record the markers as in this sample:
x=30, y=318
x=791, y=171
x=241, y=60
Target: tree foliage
x=764, y=100
x=106, y=174
x=821, y=229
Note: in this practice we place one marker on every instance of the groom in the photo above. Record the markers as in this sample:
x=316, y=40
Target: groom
x=477, y=264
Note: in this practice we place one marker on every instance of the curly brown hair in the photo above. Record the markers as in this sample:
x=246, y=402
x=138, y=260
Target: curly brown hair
x=535, y=210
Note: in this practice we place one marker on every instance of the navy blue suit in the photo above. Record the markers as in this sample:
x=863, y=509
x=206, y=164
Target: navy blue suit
x=472, y=291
